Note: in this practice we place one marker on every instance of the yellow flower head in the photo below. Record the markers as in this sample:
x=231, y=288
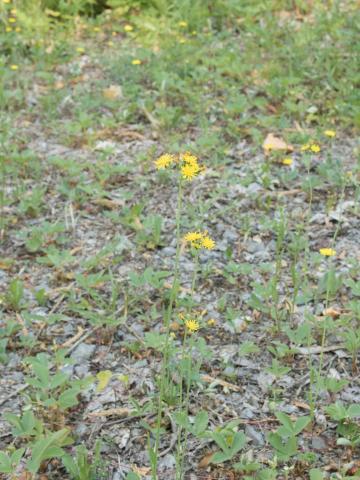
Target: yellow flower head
x=208, y=243
x=189, y=171
x=330, y=133
x=136, y=61
x=287, y=161
x=12, y=20
x=80, y=49
x=189, y=158
x=96, y=29
x=110, y=43
x=164, y=161
x=13, y=11
x=315, y=148
x=17, y=29
x=183, y=24
x=6, y=1
x=195, y=238
x=211, y=322
x=128, y=28
x=182, y=40
x=14, y=67
x=192, y=325
x=327, y=252
x=8, y=29
x=305, y=147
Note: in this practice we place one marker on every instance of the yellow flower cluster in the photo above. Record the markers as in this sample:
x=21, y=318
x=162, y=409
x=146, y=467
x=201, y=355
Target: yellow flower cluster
x=188, y=163
x=199, y=240
x=314, y=148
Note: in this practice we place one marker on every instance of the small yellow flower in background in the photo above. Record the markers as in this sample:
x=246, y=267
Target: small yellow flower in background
x=18, y=29
x=12, y=20
x=192, y=325
x=128, y=28
x=330, y=133
x=14, y=67
x=13, y=11
x=8, y=29
x=182, y=40
x=80, y=49
x=96, y=29
x=315, y=148
x=305, y=147
x=183, y=24
x=194, y=32
x=164, y=161
x=136, y=61
x=114, y=34
x=211, y=322
x=208, y=243
x=110, y=43
x=287, y=161
x=327, y=252
x=172, y=335
x=6, y=1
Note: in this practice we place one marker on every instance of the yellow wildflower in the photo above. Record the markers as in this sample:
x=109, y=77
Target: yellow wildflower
x=287, y=161
x=330, y=133
x=164, y=161
x=315, y=148
x=195, y=238
x=305, y=147
x=187, y=157
x=80, y=49
x=128, y=28
x=13, y=11
x=14, y=67
x=136, y=61
x=183, y=24
x=189, y=171
x=17, y=29
x=182, y=40
x=6, y=1
x=192, y=325
x=8, y=29
x=211, y=322
x=110, y=43
x=327, y=252
x=114, y=34
x=208, y=243
x=12, y=20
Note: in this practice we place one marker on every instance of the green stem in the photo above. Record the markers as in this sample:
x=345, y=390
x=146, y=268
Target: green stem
x=168, y=315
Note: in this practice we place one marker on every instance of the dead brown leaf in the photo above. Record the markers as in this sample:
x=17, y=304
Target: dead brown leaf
x=113, y=92
x=272, y=143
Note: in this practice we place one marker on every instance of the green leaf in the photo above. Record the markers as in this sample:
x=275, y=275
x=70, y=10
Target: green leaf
x=316, y=474
x=239, y=440
x=5, y=463
x=201, y=422
x=47, y=447
x=354, y=410
x=286, y=421
x=301, y=423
